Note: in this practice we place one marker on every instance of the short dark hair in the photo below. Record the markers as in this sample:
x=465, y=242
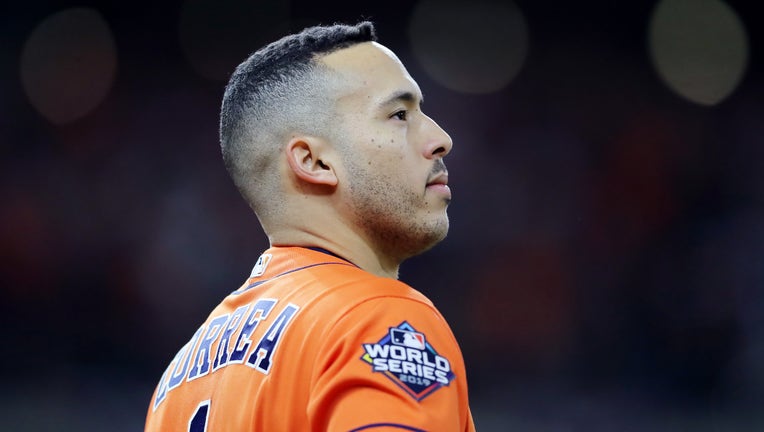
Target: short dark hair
x=266, y=94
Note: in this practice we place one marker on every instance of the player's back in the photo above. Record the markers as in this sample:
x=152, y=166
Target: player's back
x=283, y=353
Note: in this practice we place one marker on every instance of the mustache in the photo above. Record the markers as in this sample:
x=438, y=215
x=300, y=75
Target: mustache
x=438, y=168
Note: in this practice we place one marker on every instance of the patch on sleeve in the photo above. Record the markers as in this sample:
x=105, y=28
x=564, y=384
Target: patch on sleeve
x=405, y=357
x=261, y=265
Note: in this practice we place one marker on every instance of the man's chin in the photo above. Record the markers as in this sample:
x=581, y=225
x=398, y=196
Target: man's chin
x=433, y=237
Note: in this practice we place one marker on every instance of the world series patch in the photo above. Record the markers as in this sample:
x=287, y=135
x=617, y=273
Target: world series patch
x=405, y=357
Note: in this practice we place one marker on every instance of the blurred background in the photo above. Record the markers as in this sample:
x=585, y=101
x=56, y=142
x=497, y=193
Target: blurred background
x=605, y=266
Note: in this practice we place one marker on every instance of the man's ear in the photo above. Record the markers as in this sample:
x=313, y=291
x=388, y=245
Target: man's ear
x=307, y=159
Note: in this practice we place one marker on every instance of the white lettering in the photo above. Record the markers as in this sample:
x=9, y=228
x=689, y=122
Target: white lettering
x=398, y=352
x=426, y=359
x=441, y=377
x=380, y=364
x=442, y=363
x=428, y=372
x=376, y=350
x=414, y=355
x=409, y=364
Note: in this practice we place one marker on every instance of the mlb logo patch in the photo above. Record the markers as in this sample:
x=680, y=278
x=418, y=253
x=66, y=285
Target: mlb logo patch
x=405, y=357
x=261, y=265
x=407, y=338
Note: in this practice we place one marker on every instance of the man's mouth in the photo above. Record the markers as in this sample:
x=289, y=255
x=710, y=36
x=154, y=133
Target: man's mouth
x=439, y=179
x=439, y=185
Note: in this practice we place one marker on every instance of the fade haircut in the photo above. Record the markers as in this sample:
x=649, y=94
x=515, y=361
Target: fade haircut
x=280, y=89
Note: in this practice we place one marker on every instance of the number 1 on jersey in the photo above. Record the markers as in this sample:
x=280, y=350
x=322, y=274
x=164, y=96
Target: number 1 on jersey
x=198, y=422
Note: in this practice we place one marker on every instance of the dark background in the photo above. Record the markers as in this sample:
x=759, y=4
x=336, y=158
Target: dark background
x=605, y=266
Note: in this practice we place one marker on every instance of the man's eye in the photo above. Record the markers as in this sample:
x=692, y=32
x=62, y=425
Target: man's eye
x=400, y=115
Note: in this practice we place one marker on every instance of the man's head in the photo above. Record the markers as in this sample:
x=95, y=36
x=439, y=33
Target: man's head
x=279, y=90
x=337, y=143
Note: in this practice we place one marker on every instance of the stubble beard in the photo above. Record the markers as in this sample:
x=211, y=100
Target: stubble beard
x=390, y=219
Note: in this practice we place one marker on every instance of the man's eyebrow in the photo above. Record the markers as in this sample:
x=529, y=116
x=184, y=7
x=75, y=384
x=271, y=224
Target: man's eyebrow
x=402, y=96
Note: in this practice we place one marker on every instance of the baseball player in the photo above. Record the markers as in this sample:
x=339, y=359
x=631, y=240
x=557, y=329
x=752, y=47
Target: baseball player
x=323, y=133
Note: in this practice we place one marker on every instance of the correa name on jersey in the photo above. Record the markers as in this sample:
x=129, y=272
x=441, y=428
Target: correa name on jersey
x=405, y=357
x=227, y=339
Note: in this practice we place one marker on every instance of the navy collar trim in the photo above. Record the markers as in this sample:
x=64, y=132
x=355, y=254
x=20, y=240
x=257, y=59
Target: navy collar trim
x=328, y=252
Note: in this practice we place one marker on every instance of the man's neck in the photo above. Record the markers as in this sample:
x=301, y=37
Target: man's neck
x=349, y=247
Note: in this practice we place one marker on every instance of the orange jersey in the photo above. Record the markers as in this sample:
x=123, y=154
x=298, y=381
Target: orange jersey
x=313, y=343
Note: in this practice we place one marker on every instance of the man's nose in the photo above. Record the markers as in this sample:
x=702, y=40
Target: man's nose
x=439, y=143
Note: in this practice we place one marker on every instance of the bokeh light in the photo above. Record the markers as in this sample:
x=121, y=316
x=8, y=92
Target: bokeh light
x=699, y=48
x=476, y=47
x=68, y=64
x=218, y=35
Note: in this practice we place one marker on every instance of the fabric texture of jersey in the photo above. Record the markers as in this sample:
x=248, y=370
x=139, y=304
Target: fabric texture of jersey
x=313, y=343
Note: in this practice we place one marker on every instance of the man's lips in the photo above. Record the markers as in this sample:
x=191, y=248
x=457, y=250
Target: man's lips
x=439, y=179
x=439, y=185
